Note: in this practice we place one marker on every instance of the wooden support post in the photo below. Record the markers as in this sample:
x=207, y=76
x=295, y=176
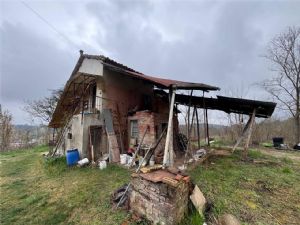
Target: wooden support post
x=204, y=119
x=246, y=148
x=168, y=161
x=198, y=129
x=242, y=135
x=192, y=122
x=207, y=128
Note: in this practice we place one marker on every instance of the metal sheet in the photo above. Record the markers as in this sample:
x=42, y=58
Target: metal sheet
x=108, y=120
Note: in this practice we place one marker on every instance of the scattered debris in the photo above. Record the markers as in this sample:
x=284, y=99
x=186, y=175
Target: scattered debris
x=102, y=165
x=199, y=154
x=182, y=141
x=297, y=146
x=148, y=169
x=170, y=181
x=83, y=162
x=282, y=147
x=198, y=200
x=105, y=157
x=179, y=177
x=182, y=167
x=262, y=186
x=120, y=197
x=123, y=159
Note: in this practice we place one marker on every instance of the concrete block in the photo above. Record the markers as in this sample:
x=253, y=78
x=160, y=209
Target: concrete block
x=198, y=200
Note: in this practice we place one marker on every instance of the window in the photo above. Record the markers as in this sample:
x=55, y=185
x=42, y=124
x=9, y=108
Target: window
x=94, y=93
x=134, y=131
x=147, y=102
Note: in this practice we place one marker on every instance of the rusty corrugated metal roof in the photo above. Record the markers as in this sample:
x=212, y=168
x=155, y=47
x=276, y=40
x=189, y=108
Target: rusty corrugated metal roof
x=67, y=105
x=160, y=82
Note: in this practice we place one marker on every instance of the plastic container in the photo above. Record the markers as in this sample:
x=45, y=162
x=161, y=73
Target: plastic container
x=72, y=157
x=151, y=163
x=83, y=162
x=102, y=165
x=277, y=141
x=123, y=159
x=129, y=160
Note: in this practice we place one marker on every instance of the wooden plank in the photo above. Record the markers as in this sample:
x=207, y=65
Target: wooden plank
x=207, y=127
x=242, y=135
x=108, y=120
x=198, y=128
x=168, y=161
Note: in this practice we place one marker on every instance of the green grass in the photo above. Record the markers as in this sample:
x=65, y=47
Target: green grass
x=39, y=191
x=35, y=190
x=255, y=193
x=267, y=144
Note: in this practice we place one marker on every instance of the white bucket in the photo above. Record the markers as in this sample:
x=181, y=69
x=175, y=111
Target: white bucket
x=123, y=159
x=102, y=165
x=83, y=162
x=129, y=159
x=151, y=163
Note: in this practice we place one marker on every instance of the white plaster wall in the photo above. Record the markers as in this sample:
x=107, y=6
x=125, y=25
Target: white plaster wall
x=91, y=66
x=76, y=128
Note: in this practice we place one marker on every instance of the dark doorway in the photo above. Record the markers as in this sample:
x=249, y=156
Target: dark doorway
x=95, y=141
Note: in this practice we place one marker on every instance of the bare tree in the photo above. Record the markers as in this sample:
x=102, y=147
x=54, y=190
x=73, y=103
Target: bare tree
x=284, y=54
x=5, y=129
x=43, y=109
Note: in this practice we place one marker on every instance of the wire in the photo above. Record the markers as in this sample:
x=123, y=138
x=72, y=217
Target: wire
x=49, y=24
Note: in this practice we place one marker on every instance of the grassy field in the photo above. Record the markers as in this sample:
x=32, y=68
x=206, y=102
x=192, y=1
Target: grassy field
x=255, y=193
x=35, y=191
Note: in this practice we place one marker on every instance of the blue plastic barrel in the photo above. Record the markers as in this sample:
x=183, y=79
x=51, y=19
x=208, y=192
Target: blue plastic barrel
x=72, y=157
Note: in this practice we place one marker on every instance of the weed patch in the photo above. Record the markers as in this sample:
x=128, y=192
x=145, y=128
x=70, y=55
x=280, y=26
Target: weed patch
x=54, y=166
x=252, y=192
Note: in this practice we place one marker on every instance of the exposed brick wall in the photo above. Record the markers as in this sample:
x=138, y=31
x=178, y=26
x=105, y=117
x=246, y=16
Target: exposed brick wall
x=154, y=121
x=159, y=202
x=122, y=94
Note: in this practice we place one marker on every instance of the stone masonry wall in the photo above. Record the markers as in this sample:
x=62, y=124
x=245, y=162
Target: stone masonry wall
x=159, y=202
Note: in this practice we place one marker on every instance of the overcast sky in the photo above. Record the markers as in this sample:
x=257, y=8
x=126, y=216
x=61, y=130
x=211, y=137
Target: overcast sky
x=214, y=42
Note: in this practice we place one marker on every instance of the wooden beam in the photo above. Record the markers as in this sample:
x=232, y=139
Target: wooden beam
x=207, y=128
x=242, y=135
x=168, y=161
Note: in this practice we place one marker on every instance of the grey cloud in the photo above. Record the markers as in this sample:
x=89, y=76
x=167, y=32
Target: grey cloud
x=214, y=42
x=31, y=64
